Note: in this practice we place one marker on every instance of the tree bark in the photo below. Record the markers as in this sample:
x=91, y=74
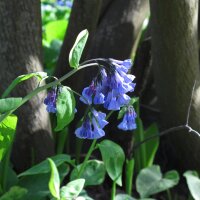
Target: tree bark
x=20, y=53
x=176, y=67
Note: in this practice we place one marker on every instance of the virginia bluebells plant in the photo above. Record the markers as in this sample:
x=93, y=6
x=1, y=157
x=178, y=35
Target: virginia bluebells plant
x=67, y=3
x=50, y=100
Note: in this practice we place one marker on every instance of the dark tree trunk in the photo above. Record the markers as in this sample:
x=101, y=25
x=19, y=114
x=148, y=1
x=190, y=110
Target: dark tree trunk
x=20, y=53
x=176, y=67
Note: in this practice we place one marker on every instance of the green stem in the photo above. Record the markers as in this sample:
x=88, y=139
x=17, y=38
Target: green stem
x=87, y=158
x=129, y=176
x=39, y=89
x=169, y=196
x=113, y=192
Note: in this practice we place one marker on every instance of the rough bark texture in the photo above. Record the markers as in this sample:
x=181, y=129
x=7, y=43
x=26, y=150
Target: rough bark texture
x=176, y=66
x=20, y=53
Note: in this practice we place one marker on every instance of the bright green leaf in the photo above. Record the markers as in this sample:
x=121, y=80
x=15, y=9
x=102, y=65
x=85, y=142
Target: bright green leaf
x=54, y=182
x=72, y=189
x=8, y=104
x=55, y=30
x=15, y=193
x=151, y=181
x=39, y=75
x=113, y=157
x=193, y=183
x=65, y=105
x=77, y=50
x=37, y=184
x=7, y=131
x=43, y=167
x=94, y=172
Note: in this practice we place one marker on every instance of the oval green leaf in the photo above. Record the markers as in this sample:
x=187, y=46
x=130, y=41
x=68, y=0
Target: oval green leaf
x=151, y=181
x=94, y=172
x=65, y=105
x=193, y=183
x=77, y=50
x=72, y=189
x=113, y=157
x=8, y=104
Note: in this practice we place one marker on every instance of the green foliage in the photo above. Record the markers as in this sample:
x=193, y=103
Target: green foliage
x=15, y=193
x=65, y=105
x=144, y=155
x=37, y=184
x=193, y=183
x=50, y=34
x=77, y=49
x=7, y=131
x=94, y=172
x=127, y=197
x=8, y=104
x=54, y=182
x=151, y=181
x=72, y=189
x=21, y=78
x=113, y=158
x=43, y=167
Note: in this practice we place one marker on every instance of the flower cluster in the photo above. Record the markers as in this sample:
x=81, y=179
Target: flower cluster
x=50, y=100
x=110, y=89
x=67, y=3
x=92, y=127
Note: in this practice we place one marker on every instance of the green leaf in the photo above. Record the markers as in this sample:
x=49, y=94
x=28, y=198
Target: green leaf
x=151, y=145
x=85, y=195
x=94, y=172
x=37, y=184
x=113, y=157
x=72, y=189
x=124, y=197
x=55, y=30
x=133, y=100
x=39, y=75
x=65, y=105
x=77, y=49
x=8, y=104
x=15, y=192
x=193, y=183
x=151, y=181
x=54, y=182
x=7, y=131
x=43, y=167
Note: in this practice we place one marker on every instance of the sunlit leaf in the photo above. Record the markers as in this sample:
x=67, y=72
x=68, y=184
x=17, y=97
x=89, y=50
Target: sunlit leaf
x=77, y=50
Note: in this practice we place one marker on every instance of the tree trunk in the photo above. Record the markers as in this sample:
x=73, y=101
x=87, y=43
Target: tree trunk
x=176, y=67
x=20, y=53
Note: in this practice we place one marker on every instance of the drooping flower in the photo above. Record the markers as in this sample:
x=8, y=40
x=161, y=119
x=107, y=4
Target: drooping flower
x=128, y=122
x=50, y=101
x=92, y=127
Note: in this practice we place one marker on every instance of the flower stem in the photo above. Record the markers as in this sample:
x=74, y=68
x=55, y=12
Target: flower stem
x=49, y=85
x=92, y=147
x=113, y=192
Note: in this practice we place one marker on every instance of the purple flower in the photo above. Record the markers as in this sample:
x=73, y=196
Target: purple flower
x=50, y=101
x=85, y=131
x=66, y=3
x=92, y=127
x=128, y=122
